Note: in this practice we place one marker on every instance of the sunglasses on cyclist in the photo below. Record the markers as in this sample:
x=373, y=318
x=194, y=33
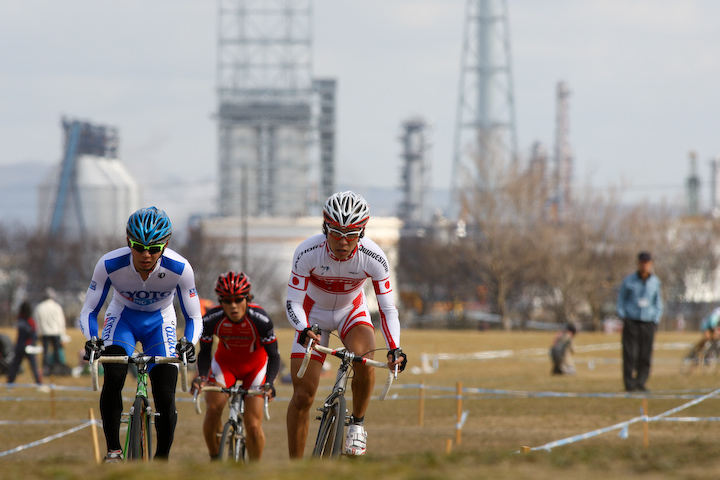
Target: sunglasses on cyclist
x=153, y=249
x=337, y=234
x=230, y=301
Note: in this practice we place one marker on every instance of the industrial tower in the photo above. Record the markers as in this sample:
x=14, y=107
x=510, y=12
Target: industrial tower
x=485, y=137
x=693, y=187
x=562, y=180
x=266, y=115
x=91, y=188
x=715, y=186
x=416, y=144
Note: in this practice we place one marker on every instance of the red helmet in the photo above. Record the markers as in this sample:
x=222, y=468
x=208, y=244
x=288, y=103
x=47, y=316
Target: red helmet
x=233, y=284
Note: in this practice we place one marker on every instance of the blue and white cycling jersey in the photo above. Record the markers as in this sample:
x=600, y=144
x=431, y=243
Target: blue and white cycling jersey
x=710, y=322
x=142, y=309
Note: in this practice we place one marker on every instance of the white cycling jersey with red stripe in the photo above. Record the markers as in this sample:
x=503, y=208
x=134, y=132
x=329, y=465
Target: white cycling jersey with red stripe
x=319, y=280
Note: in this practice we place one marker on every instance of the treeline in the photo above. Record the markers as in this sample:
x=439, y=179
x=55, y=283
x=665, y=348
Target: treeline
x=523, y=259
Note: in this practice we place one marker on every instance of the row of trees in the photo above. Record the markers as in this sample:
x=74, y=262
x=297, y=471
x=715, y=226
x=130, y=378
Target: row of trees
x=31, y=261
x=526, y=261
x=516, y=255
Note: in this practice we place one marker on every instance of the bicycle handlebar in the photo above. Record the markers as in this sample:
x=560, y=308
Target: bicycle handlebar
x=137, y=358
x=229, y=391
x=341, y=352
x=308, y=352
x=306, y=359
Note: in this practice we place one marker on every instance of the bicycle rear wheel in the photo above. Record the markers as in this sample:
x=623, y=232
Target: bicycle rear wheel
x=330, y=437
x=228, y=443
x=138, y=432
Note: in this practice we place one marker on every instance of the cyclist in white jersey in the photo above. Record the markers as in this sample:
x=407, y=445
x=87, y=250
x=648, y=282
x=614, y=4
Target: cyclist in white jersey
x=326, y=288
x=145, y=276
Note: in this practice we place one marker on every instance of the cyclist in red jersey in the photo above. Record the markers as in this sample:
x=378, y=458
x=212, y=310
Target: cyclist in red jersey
x=326, y=288
x=247, y=351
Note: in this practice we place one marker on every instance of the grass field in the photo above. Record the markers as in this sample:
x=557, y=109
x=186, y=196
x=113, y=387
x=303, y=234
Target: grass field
x=496, y=427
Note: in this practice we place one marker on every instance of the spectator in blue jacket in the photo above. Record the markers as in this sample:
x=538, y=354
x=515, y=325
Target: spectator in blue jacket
x=640, y=307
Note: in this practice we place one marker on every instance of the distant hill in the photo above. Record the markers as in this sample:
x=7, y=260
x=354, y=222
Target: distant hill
x=19, y=195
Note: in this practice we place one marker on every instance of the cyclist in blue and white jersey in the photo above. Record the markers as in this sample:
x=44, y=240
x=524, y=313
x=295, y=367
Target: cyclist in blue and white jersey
x=710, y=328
x=145, y=276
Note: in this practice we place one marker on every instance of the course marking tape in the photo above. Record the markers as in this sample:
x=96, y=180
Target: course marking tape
x=47, y=439
x=644, y=418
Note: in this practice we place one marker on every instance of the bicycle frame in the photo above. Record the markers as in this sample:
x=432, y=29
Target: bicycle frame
x=138, y=440
x=334, y=418
x=233, y=441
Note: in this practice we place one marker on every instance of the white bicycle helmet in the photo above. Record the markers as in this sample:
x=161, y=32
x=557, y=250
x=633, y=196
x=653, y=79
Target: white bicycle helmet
x=346, y=210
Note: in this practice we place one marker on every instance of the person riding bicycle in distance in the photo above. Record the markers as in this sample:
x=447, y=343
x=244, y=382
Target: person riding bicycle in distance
x=146, y=275
x=247, y=351
x=326, y=288
x=710, y=328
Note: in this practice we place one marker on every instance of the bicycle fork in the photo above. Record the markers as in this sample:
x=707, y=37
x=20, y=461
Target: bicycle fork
x=339, y=390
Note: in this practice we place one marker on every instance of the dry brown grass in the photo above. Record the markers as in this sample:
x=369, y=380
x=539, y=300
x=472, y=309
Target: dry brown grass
x=496, y=427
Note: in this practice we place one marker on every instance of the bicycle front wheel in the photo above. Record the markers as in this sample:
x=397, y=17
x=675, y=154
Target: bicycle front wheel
x=228, y=443
x=139, y=440
x=330, y=437
x=240, y=446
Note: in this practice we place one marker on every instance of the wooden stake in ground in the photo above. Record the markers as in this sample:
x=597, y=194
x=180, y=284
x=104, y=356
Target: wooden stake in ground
x=421, y=405
x=93, y=429
x=52, y=400
x=646, y=424
x=458, y=425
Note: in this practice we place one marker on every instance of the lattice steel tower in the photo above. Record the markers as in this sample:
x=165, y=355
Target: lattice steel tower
x=485, y=137
x=265, y=113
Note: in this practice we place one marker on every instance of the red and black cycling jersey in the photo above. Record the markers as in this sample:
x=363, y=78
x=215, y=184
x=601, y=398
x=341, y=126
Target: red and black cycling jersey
x=250, y=340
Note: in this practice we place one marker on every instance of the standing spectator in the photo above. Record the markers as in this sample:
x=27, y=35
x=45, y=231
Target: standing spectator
x=561, y=351
x=27, y=336
x=51, y=328
x=640, y=307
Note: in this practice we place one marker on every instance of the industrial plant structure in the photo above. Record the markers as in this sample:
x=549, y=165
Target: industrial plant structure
x=91, y=191
x=415, y=173
x=272, y=115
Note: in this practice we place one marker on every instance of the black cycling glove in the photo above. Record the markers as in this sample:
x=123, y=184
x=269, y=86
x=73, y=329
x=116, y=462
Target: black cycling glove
x=303, y=337
x=94, y=345
x=268, y=387
x=188, y=349
x=395, y=353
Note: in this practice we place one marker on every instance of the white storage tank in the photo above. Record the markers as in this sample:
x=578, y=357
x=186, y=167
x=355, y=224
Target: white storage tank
x=98, y=200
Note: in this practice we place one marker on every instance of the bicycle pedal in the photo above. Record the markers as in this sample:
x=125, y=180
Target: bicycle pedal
x=318, y=417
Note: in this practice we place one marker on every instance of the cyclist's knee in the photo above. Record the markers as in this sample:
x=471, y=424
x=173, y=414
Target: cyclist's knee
x=302, y=399
x=364, y=372
x=163, y=378
x=214, y=409
x=253, y=425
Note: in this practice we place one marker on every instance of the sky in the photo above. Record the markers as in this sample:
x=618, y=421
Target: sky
x=642, y=73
